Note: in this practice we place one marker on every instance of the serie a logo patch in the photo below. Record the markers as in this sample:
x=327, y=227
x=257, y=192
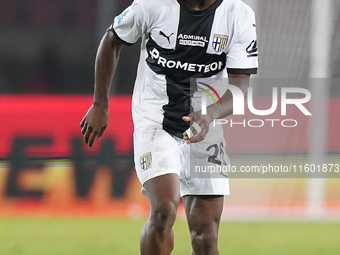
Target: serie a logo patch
x=122, y=16
x=145, y=161
x=220, y=42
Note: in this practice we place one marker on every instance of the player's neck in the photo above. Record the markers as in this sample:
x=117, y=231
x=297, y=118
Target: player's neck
x=199, y=5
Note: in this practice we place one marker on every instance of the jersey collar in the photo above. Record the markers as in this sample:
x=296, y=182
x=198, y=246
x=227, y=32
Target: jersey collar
x=208, y=10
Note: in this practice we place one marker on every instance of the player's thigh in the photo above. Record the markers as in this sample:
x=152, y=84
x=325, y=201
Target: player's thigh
x=203, y=212
x=163, y=192
x=158, y=164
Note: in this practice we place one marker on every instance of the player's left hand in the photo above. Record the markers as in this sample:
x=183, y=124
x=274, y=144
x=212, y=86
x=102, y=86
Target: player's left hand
x=203, y=122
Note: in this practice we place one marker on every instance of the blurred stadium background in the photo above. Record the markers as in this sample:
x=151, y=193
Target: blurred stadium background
x=54, y=189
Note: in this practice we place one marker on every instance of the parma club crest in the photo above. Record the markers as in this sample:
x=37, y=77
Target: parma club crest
x=145, y=161
x=220, y=42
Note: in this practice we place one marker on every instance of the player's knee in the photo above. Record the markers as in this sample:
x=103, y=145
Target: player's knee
x=205, y=241
x=163, y=215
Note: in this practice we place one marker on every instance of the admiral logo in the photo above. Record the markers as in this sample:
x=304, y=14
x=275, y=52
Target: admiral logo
x=145, y=161
x=192, y=40
x=190, y=67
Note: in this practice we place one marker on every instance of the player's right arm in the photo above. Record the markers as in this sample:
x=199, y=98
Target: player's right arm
x=242, y=61
x=126, y=29
x=96, y=119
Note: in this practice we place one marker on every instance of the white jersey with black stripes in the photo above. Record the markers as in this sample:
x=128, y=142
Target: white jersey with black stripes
x=179, y=43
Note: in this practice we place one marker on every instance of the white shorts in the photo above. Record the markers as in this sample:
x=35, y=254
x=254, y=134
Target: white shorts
x=157, y=153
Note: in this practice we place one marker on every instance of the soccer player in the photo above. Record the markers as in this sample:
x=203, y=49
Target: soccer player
x=181, y=40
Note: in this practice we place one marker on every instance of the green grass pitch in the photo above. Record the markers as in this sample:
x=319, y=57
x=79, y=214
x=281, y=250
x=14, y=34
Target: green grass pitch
x=85, y=236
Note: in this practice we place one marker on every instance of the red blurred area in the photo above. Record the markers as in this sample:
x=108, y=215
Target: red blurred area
x=58, y=117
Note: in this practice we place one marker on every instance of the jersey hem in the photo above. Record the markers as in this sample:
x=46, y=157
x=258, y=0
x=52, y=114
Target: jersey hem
x=242, y=71
x=209, y=193
x=120, y=39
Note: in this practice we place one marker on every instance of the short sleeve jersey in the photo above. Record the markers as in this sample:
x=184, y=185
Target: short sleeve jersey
x=179, y=44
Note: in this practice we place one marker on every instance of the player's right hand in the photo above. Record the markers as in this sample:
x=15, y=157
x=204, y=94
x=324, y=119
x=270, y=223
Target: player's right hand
x=94, y=123
x=203, y=122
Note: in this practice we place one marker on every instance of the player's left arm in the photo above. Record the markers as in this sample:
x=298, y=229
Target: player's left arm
x=217, y=111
